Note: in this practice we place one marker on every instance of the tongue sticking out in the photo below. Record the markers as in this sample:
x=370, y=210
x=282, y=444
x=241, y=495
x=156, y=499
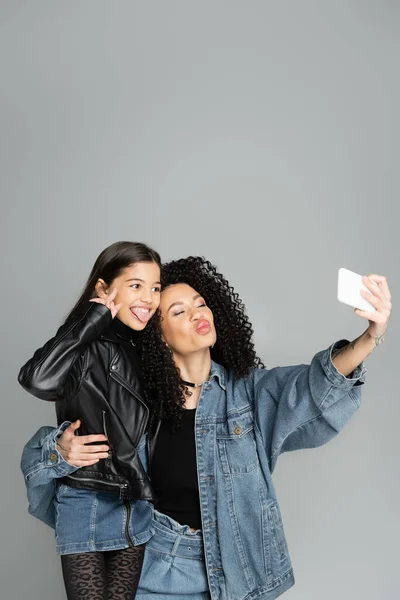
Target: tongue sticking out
x=142, y=315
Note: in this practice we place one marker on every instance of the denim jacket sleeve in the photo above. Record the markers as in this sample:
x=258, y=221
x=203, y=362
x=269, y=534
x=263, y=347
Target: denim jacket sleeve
x=41, y=465
x=304, y=406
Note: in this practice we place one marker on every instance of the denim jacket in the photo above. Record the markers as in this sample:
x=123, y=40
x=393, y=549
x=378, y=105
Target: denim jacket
x=241, y=428
x=42, y=465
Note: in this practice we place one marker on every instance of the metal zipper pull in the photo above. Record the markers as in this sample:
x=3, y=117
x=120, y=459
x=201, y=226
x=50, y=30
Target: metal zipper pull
x=122, y=486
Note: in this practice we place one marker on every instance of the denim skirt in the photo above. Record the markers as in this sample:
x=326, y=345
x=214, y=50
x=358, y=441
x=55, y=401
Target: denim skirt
x=91, y=521
x=174, y=565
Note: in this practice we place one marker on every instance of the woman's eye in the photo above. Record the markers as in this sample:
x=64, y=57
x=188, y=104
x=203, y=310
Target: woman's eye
x=179, y=313
x=201, y=305
x=157, y=289
x=135, y=286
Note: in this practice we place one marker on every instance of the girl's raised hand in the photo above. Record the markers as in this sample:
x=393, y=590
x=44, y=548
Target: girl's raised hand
x=109, y=302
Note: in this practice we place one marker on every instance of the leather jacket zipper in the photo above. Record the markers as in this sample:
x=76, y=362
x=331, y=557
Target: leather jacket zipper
x=104, y=424
x=108, y=459
x=142, y=402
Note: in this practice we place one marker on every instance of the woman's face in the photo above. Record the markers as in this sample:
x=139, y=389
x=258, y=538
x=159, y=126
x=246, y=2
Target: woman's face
x=138, y=290
x=187, y=323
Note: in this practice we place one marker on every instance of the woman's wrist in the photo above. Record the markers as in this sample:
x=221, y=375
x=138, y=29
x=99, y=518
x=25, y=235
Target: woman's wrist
x=349, y=357
x=378, y=340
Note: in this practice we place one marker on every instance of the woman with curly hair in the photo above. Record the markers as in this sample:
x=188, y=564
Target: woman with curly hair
x=220, y=422
x=223, y=422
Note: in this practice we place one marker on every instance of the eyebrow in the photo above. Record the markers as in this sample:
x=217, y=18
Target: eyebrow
x=195, y=297
x=141, y=280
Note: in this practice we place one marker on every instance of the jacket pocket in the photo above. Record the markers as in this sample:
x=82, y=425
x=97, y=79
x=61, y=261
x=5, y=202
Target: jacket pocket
x=236, y=444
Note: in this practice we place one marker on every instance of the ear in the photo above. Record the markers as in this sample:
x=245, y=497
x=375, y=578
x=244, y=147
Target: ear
x=101, y=288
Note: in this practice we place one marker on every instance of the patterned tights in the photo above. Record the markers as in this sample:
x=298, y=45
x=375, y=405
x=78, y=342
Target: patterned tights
x=110, y=575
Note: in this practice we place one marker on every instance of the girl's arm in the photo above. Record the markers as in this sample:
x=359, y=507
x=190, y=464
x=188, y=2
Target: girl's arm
x=46, y=374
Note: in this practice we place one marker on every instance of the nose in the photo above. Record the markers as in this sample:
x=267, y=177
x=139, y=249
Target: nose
x=197, y=314
x=145, y=295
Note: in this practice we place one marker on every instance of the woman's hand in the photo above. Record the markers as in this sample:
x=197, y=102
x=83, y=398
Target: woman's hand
x=380, y=297
x=109, y=302
x=74, y=450
x=349, y=357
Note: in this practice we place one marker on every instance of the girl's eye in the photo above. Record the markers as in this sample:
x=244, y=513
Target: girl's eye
x=135, y=286
x=156, y=289
x=201, y=305
x=179, y=313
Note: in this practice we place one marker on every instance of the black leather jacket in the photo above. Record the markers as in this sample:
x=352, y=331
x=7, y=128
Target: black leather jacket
x=93, y=374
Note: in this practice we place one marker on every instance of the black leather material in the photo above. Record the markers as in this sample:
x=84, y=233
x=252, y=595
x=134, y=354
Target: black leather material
x=92, y=375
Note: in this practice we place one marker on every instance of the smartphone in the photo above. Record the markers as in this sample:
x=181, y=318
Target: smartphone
x=349, y=286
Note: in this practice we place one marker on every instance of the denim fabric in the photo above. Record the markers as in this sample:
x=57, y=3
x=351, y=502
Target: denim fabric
x=88, y=521
x=42, y=465
x=99, y=519
x=242, y=427
x=173, y=565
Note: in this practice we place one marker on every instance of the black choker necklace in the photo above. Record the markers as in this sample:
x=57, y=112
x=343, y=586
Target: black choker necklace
x=190, y=384
x=193, y=385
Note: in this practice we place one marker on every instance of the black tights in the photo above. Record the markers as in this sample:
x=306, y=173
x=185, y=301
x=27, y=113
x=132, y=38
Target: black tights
x=112, y=575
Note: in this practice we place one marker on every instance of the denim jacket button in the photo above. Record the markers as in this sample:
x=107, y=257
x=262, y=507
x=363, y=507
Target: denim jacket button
x=238, y=430
x=53, y=457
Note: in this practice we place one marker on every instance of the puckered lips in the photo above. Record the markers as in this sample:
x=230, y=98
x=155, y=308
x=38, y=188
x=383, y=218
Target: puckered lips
x=203, y=327
x=142, y=313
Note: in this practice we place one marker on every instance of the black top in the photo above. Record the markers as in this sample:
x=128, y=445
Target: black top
x=129, y=338
x=174, y=472
x=125, y=332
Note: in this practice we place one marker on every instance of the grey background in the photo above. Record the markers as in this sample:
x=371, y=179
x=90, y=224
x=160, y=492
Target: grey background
x=264, y=135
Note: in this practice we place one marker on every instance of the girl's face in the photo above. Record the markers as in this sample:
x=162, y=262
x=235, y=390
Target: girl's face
x=138, y=290
x=187, y=323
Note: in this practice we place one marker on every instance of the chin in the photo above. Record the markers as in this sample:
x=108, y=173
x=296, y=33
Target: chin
x=138, y=326
x=133, y=323
x=209, y=343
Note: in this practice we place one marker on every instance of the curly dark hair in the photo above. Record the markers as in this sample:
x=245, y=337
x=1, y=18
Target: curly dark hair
x=234, y=348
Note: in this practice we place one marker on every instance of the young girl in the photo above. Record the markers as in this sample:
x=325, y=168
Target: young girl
x=91, y=369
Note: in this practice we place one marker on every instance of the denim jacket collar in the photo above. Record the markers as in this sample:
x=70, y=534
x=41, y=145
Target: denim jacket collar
x=218, y=372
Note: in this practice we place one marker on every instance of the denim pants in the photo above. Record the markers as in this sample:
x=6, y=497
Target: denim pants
x=174, y=564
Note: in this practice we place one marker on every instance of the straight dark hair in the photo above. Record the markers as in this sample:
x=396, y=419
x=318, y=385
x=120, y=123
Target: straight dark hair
x=110, y=264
